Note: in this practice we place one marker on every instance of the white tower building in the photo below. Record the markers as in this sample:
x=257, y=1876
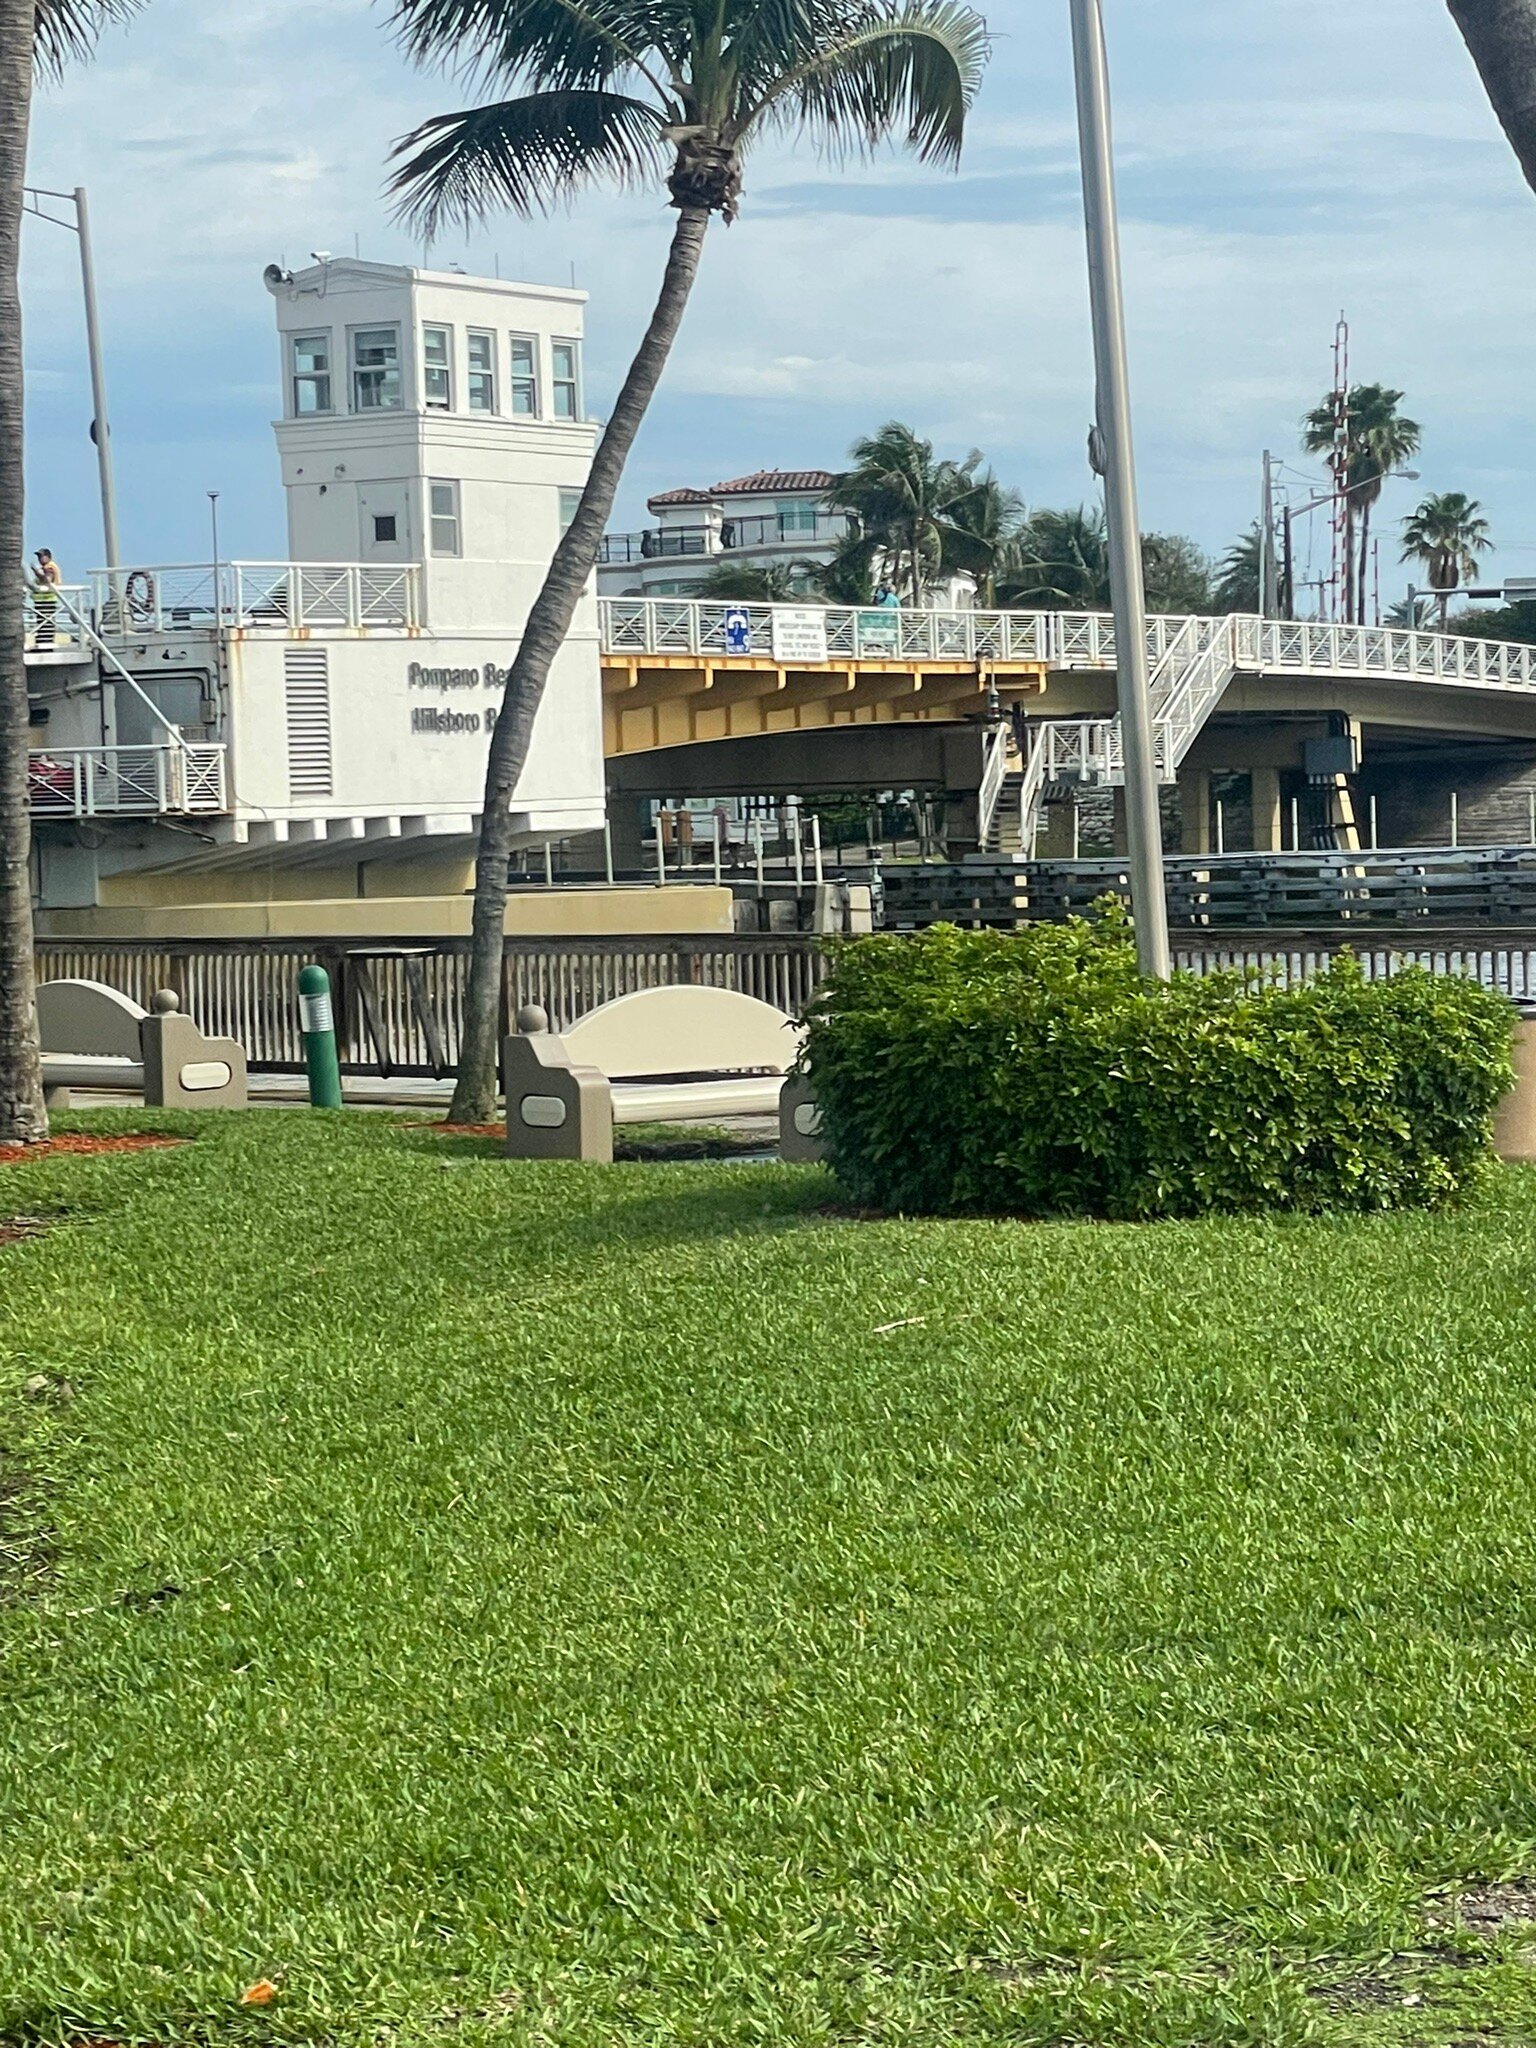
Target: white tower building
x=337, y=706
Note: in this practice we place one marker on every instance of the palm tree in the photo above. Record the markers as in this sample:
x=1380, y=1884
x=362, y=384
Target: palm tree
x=1501, y=34
x=982, y=534
x=1375, y=439
x=1063, y=562
x=635, y=92
x=1382, y=439
x=749, y=583
x=1238, y=578
x=1446, y=533
x=902, y=498
x=34, y=35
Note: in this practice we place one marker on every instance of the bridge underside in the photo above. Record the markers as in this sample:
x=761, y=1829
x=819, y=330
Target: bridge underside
x=1414, y=757
x=666, y=701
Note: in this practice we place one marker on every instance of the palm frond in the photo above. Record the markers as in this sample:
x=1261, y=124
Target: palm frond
x=69, y=29
x=528, y=154
x=910, y=70
x=553, y=43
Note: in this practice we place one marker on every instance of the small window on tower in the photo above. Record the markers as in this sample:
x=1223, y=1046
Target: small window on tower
x=525, y=375
x=566, y=358
x=445, y=518
x=482, y=371
x=376, y=369
x=311, y=373
x=385, y=526
x=437, y=367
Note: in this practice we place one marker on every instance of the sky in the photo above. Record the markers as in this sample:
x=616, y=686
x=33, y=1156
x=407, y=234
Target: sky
x=1278, y=165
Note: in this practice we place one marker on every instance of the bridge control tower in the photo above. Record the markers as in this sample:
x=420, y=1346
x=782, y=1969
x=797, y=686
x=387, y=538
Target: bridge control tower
x=435, y=418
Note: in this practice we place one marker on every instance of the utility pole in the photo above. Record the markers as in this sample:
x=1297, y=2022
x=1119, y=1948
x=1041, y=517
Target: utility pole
x=1144, y=832
x=1269, y=608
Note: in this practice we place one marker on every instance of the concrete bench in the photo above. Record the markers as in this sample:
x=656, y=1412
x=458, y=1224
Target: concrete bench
x=96, y=1037
x=661, y=1055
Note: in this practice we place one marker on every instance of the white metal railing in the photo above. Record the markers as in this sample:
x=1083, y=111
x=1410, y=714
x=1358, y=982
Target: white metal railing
x=994, y=775
x=49, y=624
x=1068, y=640
x=253, y=596
x=92, y=782
x=671, y=625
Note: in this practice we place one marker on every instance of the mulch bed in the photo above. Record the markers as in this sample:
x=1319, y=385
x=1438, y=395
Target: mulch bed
x=83, y=1142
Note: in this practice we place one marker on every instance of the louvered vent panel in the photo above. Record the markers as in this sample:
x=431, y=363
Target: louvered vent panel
x=307, y=707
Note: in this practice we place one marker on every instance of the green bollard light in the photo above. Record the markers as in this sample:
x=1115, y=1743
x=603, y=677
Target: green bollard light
x=318, y=1022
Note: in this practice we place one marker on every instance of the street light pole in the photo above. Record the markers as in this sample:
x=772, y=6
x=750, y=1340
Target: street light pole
x=101, y=429
x=1144, y=832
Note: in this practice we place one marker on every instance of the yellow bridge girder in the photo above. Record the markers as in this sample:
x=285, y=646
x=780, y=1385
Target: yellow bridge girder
x=672, y=700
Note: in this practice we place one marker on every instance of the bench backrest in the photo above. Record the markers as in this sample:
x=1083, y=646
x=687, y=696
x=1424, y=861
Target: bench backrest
x=88, y=1017
x=683, y=1031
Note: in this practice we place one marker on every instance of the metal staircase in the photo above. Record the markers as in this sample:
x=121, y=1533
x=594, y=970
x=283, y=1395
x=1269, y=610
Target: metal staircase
x=1190, y=670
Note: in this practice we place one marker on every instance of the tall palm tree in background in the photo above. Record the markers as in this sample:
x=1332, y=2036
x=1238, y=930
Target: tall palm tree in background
x=1381, y=440
x=1239, y=573
x=1062, y=563
x=34, y=35
x=983, y=530
x=1447, y=533
x=1376, y=438
x=1501, y=35
x=640, y=92
x=903, y=499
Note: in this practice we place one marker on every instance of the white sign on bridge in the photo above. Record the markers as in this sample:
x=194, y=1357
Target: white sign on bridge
x=799, y=633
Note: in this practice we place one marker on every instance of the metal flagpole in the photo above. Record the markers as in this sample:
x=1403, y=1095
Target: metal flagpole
x=1144, y=832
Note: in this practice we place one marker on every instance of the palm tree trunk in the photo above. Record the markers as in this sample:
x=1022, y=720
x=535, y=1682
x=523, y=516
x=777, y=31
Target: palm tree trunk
x=549, y=620
x=1501, y=34
x=23, y=1120
x=1364, y=581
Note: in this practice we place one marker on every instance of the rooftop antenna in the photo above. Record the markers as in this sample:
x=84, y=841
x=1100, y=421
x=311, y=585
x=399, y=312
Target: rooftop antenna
x=357, y=244
x=497, y=260
x=573, y=277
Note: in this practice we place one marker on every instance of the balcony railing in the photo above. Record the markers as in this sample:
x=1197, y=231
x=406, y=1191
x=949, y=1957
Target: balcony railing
x=731, y=536
x=254, y=597
x=50, y=627
x=104, y=782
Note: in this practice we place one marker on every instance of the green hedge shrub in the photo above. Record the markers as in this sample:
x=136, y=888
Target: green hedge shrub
x=1038, y=1074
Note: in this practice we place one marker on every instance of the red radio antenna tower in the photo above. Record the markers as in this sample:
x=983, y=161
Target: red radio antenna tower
x=1343, y=594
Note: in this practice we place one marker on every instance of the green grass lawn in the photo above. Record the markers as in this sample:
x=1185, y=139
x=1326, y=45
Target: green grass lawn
x=577, y=1607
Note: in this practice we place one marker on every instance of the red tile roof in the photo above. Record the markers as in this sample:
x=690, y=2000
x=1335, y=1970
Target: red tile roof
x=777, y=480
x=760, y=481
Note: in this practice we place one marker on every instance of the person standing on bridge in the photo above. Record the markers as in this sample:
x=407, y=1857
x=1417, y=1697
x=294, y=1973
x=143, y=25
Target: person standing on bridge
x=46, y=580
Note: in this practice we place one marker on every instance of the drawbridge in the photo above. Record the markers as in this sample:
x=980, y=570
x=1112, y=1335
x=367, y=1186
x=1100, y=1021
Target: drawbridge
x=688, y=667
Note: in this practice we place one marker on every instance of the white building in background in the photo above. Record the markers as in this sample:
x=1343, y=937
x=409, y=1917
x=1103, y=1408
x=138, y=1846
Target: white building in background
x=334, y=709
x=775, y=517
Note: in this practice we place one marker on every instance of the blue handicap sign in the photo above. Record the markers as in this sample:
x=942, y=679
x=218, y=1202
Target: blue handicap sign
x=738, y=630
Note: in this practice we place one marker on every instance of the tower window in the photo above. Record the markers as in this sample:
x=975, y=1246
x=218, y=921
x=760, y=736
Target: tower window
x=376, y=369
x=445, y=517
x=311, y=373
x=525, y=375
x=386, y=527
x=482, y=371
x=437, y=367
x=566, y=358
